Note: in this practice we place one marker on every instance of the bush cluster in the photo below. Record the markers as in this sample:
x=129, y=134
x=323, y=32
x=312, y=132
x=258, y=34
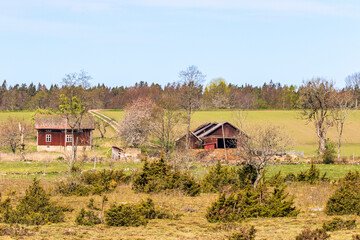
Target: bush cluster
x=252, y=203
x=92, y=182
x=329, y=154
x=317, y=234
x=346, y=199
x=244, y=234
x=157, y=176
x=312, y=176
x=220, y=177
x=134, y=214
x=339, y=224
x=35, y=208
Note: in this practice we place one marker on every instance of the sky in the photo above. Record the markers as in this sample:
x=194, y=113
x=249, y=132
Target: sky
x=120, y=42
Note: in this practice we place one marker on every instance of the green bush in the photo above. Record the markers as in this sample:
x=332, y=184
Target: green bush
x=218, y=177
x=247, y=203
x=317, y=234
x=329, y=155
x=134, y=214
x=35, y=208
x=157, y=176
x=92, y=182
x=87, y=218
x=339, y=224
x=346, y=199
x=246, y=175
x=244, y=234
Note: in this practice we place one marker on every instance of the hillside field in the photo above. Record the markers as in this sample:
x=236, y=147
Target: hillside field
x=303, y=134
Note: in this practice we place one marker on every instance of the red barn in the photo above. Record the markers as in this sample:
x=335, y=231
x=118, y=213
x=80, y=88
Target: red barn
x=213, y=135
x=54, y=133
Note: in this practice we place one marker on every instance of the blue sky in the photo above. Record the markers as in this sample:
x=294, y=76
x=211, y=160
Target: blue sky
x=120, y=42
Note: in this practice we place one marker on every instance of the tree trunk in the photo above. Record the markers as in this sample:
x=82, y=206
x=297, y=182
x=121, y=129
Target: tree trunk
x=258, y=177
x=339, y=143
x=187, y=142
x=322, y=145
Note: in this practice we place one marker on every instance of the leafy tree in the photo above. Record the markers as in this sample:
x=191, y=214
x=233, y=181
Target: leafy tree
x=216, y=94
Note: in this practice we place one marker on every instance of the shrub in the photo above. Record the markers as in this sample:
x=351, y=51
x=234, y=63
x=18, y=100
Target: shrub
x=35, y=208
x=244, y=234
x=317, y=234
x=157, y=176
x=246, y=203
x=247, y=175
x=346, y=199
x=328, y=156
x=87, y=218
x=134, y=214
x=339, y=224
x=218, y=177
x=312, y=175
x=92, y=182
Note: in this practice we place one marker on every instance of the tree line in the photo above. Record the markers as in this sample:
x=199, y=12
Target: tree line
x=217, y=94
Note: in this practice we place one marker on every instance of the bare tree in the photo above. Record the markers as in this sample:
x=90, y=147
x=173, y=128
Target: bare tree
x=344, y=101
x=261, y=145
x=166, y=117
x=74, y=106
x=318, y=104
x=101, y=126
x=13, y=133
x=191, y=80
x=135, y=126
x=353, y=83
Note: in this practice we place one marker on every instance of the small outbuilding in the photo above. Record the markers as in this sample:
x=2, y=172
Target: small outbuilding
x=212, y=136
x=54, y=133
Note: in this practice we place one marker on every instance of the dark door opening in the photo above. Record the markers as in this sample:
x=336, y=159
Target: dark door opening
x=230, y=143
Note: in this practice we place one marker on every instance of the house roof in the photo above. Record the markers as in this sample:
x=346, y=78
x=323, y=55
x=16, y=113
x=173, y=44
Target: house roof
x=57, y=121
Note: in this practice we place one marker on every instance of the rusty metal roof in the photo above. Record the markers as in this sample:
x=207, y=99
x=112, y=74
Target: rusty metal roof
x=57, y=121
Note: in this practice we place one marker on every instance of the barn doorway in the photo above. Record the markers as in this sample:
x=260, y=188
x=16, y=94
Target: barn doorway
x=229, y=142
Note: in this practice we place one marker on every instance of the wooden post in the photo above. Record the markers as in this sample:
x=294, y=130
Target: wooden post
x=222, y=127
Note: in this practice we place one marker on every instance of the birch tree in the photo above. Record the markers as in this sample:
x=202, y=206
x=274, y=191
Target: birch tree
x=191, y=80
x=344, y=102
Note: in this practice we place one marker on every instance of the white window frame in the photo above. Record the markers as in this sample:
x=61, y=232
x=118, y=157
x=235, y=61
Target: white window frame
x=48, y=138
x=68, y=138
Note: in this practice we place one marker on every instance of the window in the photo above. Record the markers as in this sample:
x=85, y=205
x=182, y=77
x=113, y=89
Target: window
x=48, y=137
x=68, y=138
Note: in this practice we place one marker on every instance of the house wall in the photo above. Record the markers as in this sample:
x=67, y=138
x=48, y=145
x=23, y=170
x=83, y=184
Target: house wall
x=58, y=138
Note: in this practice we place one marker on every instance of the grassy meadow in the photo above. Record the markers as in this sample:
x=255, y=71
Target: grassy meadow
x=311, y=199
x=303, y=134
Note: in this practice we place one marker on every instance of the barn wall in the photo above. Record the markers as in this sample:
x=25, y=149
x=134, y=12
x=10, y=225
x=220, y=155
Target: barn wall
x=229, y=132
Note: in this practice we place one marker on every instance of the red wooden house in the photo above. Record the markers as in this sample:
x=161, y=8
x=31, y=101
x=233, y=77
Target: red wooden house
x=54, y=133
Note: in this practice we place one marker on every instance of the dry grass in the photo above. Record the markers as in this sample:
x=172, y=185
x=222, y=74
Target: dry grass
x=192, y=225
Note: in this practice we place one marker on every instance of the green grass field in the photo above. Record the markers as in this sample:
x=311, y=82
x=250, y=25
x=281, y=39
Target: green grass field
x=303, y=135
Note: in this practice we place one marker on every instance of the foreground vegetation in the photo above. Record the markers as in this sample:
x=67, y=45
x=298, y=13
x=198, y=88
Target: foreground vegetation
x=177, y=215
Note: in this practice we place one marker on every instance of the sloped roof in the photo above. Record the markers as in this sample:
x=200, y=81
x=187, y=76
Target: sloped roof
x=214, y=128
x=192, y=133
x=204, y=128
x=57, y=121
